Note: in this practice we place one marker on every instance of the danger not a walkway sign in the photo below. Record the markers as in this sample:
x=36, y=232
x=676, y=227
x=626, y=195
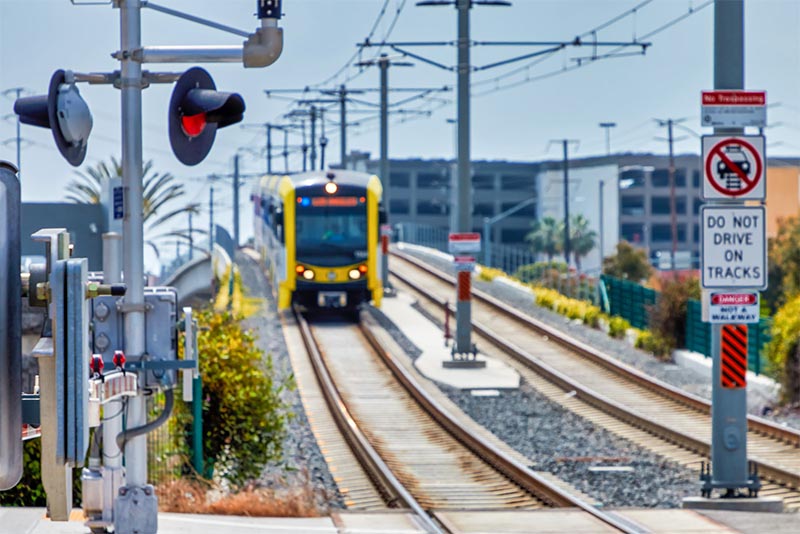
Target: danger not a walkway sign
x=734, y=167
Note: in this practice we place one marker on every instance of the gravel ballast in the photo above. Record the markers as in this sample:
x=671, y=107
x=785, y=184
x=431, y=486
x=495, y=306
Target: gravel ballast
x=609, y=469
x=303, y=465
x=685, y=378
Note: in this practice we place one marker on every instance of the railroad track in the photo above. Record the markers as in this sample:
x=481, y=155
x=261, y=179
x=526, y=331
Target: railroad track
x=661, y=417
x=416, y=453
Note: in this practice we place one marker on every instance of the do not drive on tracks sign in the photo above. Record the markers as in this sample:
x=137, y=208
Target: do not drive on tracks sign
x=734, y=167
x=734, y=253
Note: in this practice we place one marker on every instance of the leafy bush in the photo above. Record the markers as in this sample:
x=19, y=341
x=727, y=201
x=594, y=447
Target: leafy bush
x=628, y=263
x=617, y=326
x=654, y=343
x=487, y=274
x=30, y=490
x=667, y=318
x=244, y=418
x=783, y=352
x=541, y=269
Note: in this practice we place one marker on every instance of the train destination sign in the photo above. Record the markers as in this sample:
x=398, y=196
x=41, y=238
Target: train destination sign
x=731, y=307
x=733, y=167
x=734, y=253
x=734, y=109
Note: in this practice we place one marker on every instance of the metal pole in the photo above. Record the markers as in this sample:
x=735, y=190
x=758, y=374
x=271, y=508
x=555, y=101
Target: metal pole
x=112, y=411
x=463, y=186
x=607, y=126
x=305, y=145
x=269, y=148
x=487, y=242
x=313, y=138
x=672, y=212
x=729, y=406
x=323, y=141
x=286, y=151
x=191, y=239
x=566, y=204
x=343, y=126
x=236, y=201
x=383, y=64
x=132, y=229
x=211, y=220
x=602, y=246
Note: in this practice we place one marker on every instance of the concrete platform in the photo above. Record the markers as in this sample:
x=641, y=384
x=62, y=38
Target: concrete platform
x=760, y=504
x=429, y=338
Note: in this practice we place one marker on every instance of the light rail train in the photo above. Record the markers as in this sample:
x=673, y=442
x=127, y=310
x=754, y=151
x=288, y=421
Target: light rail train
x=318, y=234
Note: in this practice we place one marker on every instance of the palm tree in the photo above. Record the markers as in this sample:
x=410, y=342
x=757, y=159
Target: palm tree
x=546, y=237
x=581, y=239
x=159, y=190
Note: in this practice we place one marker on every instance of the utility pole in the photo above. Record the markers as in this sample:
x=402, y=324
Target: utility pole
x=669, y=123
x=607, y=126
x=269, y=148
x=236, y=200
x=602, y=243
x=17, y=91
x=191, y=238
x=211, y=220
x=285, y=151
x=313, y=137
x=343, y=126
x=567, y=245
x=323, y=140
x=305, y=145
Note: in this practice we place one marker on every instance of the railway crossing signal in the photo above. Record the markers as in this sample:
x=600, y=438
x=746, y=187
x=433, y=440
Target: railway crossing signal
x=196, y=111
x=64, y=112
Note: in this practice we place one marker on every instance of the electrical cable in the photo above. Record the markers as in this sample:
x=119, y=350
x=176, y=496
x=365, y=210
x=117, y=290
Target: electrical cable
x=130, y=433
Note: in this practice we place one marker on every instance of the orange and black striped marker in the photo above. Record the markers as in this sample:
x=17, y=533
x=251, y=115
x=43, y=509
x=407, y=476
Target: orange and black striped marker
x=734, y=356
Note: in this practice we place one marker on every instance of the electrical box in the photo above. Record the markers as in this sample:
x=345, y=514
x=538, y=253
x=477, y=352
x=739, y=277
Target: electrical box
x=108, y=333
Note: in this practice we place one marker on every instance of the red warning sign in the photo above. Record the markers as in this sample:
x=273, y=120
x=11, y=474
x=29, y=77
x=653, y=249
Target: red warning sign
x=733, y=368
x=734, y=167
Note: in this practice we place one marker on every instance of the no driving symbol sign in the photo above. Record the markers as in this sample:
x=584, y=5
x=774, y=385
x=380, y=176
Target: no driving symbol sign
x=733, y=167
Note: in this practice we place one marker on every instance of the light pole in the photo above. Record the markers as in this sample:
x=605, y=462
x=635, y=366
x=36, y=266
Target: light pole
x=607, y=126
x=489, y=221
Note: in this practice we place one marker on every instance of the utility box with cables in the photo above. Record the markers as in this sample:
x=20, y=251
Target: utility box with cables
x=159, y=359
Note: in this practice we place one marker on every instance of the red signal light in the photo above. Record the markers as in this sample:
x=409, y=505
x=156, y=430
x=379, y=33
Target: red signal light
x=193, y=125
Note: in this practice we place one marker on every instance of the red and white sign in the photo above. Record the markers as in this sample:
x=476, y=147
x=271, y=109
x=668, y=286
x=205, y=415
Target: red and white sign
x=734, y=109
x=464, y=243
x=731, y=307
x=464, y=263
x=733, y=167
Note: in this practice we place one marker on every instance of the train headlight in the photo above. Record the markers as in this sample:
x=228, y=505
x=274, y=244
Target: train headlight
x=354, y=274
x=331, y=188
x=308, y=274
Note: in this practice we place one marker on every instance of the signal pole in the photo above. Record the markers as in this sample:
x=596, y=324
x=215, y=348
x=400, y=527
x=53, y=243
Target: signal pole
x=565, y=146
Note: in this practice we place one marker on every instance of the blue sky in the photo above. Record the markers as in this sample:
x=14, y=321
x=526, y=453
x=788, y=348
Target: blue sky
x=39, y=36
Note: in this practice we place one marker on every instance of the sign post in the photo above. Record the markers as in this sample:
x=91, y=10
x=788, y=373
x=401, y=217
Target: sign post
x=461, y=245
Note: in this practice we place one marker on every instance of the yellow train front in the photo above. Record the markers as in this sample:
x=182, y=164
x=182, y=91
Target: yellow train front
x=318, y=235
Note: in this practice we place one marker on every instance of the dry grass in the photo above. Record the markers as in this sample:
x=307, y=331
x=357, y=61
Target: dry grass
x=197, y=497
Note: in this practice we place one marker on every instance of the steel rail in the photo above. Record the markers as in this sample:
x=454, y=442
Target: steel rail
x=393, y=491
x=758, y=425
x=516, y=472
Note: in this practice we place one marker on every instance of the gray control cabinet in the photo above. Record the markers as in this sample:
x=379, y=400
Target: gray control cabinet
x=161, y=316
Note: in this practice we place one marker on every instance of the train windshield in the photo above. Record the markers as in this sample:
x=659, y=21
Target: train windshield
x=331, y=235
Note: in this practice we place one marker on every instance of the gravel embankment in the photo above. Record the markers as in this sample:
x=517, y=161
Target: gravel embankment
x=682, y=377
x=303, y=465
x=609, y=469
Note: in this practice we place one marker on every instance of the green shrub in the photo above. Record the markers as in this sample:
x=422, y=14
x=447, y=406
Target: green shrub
x=244, y=418
x=667, y=318
x=487, y=274
x=617, y=326
x=30, y=491
x=783, y=352
x=534, y=272
x=653, y=343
